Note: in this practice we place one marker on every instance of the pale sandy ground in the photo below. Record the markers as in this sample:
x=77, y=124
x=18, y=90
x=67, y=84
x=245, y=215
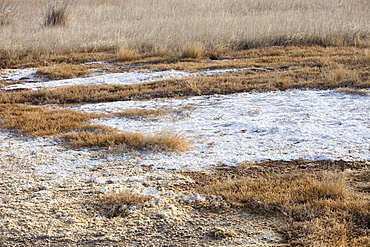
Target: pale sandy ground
x=40, y=210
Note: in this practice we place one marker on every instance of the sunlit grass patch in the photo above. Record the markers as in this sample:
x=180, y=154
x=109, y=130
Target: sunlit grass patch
x=40, y=121
x=63, y=71
x=195, y=51
x=118, y=203
x=321, y=208
x=126, y=53
x=160, y=141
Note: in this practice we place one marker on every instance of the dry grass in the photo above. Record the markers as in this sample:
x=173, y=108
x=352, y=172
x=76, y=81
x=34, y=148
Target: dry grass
x=116, y=204
x=141, y=113
x=321, y=207
x=39, y=121
x=353, y=91
x=195, y=51
x=94, y=25
x=126, y=53
x=71, y=127
x=167, y=141
x=57, y=14
x=63, y=71
x=293, y=67
x=7, y=10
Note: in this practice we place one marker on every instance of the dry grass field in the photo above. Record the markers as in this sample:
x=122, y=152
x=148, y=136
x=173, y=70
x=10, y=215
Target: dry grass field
x=160, y=27
x=287, y=44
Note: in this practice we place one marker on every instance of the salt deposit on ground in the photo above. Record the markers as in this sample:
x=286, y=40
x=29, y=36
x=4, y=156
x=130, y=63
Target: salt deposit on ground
x=226, y=129
x=126, y=78
x=275, y=125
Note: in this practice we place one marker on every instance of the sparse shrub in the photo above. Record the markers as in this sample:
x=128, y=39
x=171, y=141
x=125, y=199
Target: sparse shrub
x=7, y=8
x=195, y=51
x=126, y=53
x=57, y=14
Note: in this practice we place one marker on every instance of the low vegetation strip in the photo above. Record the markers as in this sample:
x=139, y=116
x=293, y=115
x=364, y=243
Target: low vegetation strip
x=39, y=121
x=322, y=208
x=162, y=141
x=295, y=68
x=72, y=127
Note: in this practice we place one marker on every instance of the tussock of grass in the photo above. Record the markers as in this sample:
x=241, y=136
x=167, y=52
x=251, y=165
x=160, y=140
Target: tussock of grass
x=321, y=209
x=117, y=203
x=195, y=51
x=57, y=14
x=161, y=141
x=63, y=71
x=216, y=53
x=126, y=53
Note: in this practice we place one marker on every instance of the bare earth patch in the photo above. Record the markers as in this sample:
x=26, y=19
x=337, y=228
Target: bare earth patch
x=37, y=210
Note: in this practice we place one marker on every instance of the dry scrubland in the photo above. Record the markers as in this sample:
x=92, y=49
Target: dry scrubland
x=291, y=44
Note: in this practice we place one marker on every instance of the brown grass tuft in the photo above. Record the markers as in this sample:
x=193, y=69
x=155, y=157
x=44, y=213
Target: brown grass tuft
x=63, y=71
x=162, y=141
x=216, y=52
x=57, y=14
x=126, y=53
x=195, y=51
x=116, y=204
x=168, y=141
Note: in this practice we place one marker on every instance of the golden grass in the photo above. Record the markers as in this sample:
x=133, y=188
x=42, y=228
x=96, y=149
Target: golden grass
x=63, y=71
x=167, y=141
x=141, y=113
x=94, y=25
x=72, y=127
x=195, y=51
x=39, y=121
x=116, y=204
x=126, y=53
x=322, y=208
x=293, y=67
